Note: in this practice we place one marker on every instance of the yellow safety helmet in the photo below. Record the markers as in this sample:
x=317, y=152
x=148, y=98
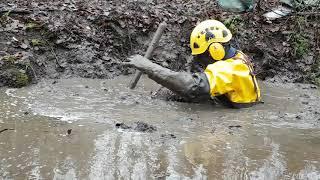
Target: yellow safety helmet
x=210, y=33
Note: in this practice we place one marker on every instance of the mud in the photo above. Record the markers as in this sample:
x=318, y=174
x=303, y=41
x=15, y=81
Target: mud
x=138, y=126
x=275, y=140
x=64, y=39
x=98, y=129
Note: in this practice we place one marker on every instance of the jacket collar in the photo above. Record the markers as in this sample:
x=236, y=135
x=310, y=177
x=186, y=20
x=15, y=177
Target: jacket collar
x=230, y=52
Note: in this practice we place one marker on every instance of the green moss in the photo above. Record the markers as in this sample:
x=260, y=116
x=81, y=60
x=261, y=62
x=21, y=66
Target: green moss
x=300, y=45
x=22, y=80
x=14, y=71
x=19, y=78
x=32, y=25
x=37, y=42
x=300, y=20
x=4, y=18
x=10, y=59
x=233, y=23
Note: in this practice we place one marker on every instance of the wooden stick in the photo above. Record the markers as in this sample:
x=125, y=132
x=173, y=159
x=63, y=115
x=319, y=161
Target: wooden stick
x=152, y=46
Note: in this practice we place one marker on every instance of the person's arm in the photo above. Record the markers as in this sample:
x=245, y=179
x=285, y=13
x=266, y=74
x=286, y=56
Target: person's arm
x=188, y=85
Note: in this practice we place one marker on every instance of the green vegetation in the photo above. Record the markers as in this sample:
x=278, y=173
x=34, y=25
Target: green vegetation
x=37, y=42
x=11, y=59
x=4, y=18
x=32, y=25
x=15, y=71
x=301, y=45
x=234, y=23
x=20, y=78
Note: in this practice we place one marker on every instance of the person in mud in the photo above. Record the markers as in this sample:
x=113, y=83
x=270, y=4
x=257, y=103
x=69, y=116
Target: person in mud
x=226, y=73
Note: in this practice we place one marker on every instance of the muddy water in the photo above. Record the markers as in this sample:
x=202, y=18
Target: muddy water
x=279, y=139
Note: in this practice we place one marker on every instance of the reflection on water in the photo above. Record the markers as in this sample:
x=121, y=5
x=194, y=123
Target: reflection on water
x=275, y=140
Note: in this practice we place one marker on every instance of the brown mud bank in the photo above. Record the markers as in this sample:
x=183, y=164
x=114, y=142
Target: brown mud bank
x=63, y=39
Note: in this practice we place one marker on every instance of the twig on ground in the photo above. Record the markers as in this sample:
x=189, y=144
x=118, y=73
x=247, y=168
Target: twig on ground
x=6, y=129
x=53, y=53
x=34, y=72
x=16, y=11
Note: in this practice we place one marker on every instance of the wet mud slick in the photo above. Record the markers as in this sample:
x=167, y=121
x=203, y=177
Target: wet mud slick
x=99, y=129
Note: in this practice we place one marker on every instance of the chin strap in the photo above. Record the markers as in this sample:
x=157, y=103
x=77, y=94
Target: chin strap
x=230, y=52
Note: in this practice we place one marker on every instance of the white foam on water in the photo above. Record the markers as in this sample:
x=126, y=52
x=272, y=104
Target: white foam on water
x=69, y=174
x=102, y=163
x=310, y=171
x=139, y=165
x=273, y=168
x=35, y=164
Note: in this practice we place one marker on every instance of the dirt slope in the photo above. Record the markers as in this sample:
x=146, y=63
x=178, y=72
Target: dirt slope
x=77, y=38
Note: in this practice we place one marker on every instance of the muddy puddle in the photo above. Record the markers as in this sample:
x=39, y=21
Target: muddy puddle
x=98, y=129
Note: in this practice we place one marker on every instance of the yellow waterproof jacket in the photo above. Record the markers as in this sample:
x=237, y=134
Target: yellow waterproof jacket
x=233, y=78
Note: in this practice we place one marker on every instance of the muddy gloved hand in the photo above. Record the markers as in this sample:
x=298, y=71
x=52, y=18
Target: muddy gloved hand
x=190, y=86
x=137, y=61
